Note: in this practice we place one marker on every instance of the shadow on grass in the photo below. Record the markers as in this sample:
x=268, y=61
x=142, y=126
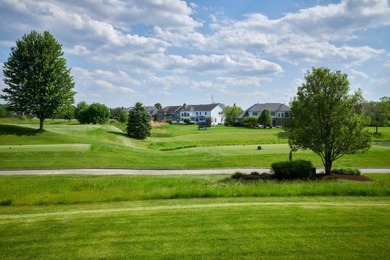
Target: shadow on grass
x=282, y=135
x=18, y=130
x=118, y=133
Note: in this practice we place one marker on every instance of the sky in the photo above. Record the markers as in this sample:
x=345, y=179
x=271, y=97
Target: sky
x=196, y=52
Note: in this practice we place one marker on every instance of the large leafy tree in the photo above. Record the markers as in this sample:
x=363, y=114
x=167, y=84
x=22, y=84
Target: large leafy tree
x=265, y=118
x=138, y=124
x=230, y=113
x=326, y=118
x=38, y=79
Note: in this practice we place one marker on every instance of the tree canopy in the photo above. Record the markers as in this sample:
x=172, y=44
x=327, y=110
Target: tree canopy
x=378, y=112
x=230, y=113
x=138, y=123
x=326, y=118
x=38, y=79
x=95, y=113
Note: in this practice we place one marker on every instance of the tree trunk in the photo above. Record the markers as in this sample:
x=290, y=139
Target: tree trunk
x=328, y=164
x=41, y=119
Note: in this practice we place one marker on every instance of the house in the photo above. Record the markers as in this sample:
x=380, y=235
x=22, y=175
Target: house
x=200, y=114
x=169, y=113
x=152, y=111
x=279, y=112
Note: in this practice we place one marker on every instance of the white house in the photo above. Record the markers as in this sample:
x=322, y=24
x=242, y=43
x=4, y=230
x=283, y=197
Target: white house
x=202, y=113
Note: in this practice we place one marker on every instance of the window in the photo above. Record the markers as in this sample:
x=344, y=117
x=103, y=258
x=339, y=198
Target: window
x=255, y=113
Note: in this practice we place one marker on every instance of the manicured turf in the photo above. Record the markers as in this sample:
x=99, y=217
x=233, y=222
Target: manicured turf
x=229, y=228
x=74, y=189
x=169, y=147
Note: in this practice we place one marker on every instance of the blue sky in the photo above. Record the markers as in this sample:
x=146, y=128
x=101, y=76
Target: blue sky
x=175, y=52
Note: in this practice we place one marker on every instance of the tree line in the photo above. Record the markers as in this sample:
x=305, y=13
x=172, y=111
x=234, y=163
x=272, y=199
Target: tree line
x=325, y=118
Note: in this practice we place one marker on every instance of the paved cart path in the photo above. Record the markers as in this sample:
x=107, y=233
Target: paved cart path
x=157, y=172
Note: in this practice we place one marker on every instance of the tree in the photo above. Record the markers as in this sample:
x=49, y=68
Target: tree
x=326, y=119
x=378, y=112
x=97, y=114
x=158, y=106
x=230, y=113
x=80, y=112
x=5, y=112
x=265, y=118
x=38, y=79
x=250, y=122
x=119, y=113
x=138, y=124
x=66, y=112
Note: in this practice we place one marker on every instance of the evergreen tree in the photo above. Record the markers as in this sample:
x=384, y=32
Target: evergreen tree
x=138, y=124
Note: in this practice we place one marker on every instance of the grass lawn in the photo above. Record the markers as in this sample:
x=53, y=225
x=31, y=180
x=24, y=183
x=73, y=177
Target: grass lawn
x=192, y=216
x=69, y=145
x=25, y=190
x=219, y=228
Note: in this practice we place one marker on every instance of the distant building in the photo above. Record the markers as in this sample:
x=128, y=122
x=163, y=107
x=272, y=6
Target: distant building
x=152, y=111
x=169, y=113
x=200, y=114
x=279, y=112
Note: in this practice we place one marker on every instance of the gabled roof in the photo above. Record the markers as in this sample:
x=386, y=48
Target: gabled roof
x=151, y=110
x=170, y=109
x=205, y=107
x=272, y=107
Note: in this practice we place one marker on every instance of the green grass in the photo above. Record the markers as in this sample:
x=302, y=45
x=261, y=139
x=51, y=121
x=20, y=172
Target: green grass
x=25, y=190
x=221, y=228
x=69, y=145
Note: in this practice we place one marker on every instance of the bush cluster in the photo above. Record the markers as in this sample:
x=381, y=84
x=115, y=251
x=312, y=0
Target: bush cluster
x=252, y=176
x=346, y=171
x=292, y=170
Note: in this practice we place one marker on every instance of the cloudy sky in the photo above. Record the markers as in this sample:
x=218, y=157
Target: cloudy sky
x=174, y=52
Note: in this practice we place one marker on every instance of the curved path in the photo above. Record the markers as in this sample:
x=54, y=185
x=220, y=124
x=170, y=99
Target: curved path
x=156, y=172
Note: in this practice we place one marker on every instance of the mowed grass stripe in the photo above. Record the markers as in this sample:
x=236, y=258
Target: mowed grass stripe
x=45, y=148
x=235, y=232
x=195, y=206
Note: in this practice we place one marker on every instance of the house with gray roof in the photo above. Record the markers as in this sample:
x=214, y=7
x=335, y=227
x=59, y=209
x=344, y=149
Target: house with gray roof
x=279, y=112
x=169, y=113
x=201, y=114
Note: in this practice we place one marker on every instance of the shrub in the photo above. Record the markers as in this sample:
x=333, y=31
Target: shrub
x=5, y=202
x=250, y=122
x=252, y=176
x=291, y=170
x=346, y=171
x=187, y=121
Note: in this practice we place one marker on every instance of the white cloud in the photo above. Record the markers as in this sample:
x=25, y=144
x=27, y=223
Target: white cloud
x=311, y=35
x=386, y=64
x=381, y=81
x=358, y=74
